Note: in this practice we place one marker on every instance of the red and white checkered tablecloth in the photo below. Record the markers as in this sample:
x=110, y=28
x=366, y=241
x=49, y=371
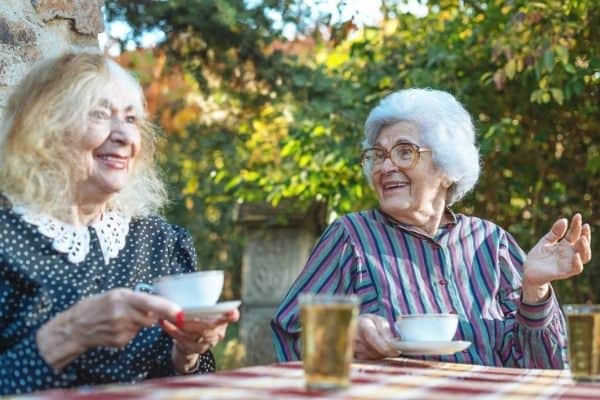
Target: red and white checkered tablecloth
x=398, y=378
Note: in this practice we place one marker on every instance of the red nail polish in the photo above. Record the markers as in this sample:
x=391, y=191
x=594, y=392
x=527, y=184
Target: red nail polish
x=161, y=322
x=179, y=319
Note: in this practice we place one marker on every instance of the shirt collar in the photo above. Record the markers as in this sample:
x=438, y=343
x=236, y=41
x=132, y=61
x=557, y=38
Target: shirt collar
x=74, y=241
x=410, y=228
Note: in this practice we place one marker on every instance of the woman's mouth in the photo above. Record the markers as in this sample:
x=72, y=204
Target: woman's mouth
x=393, y=186
x=113, y=161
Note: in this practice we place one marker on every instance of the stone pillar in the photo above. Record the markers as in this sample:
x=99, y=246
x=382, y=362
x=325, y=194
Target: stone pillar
x=34, y=29
x=278, y=242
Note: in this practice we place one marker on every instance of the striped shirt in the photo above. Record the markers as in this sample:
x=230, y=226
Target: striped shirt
x=470, y=267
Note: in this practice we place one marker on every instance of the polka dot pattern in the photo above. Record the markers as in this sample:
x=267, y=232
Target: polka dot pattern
x=37, y=282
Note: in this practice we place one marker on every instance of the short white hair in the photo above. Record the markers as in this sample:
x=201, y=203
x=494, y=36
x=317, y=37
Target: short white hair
x=444, y=126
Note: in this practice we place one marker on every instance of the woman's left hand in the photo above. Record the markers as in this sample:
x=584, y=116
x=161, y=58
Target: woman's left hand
x=197, y=336
x=560, y=254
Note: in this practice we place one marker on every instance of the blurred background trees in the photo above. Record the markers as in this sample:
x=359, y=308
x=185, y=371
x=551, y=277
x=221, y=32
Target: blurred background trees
x=265, y=101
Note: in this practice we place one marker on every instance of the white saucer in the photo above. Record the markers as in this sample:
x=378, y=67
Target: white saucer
x=211, y=311
x=429, y=348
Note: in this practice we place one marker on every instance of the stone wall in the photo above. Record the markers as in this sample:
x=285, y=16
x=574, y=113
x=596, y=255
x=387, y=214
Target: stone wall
x=278, y=242
x=33, y=29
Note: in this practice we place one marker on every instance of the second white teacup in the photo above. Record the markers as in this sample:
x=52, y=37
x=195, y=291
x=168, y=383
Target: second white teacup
x=193, y=289
x=427, y=327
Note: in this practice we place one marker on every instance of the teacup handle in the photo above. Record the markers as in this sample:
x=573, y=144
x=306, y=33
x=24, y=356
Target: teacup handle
x=144, y=287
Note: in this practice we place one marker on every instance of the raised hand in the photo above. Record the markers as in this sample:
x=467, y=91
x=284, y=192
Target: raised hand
x=559, y=254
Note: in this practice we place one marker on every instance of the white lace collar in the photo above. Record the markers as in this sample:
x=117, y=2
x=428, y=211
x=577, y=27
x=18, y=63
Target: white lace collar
x=74, y=241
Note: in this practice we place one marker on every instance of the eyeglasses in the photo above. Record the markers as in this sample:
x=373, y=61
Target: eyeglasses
x=402, y=155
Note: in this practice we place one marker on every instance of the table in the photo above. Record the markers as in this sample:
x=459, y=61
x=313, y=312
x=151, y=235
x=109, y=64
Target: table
x=396, y=378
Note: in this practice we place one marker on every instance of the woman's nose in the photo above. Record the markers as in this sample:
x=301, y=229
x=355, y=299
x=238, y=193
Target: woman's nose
x=388, y=165
x=119, y=131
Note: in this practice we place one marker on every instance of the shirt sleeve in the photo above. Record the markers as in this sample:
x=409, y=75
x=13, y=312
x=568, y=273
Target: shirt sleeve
x=22, y=368
x=328, y=270
x=534, y=336
x=205, y=364
x=184, y=257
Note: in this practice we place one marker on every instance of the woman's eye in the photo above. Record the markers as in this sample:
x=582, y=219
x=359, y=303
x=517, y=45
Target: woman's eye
x=99, y=114
x=131, y=119
x=404, y=153
x=380, y=157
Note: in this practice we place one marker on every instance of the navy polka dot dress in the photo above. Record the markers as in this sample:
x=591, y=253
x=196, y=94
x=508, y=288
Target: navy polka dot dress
x=37, y=282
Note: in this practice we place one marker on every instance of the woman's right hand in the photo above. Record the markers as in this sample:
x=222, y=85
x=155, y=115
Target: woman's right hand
x=373, y=338
x=108, y=319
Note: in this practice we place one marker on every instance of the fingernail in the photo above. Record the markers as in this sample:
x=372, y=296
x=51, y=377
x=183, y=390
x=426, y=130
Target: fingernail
x=161, y=322
x=179, y=319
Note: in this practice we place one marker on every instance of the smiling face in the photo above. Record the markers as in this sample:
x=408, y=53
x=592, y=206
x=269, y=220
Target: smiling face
x=415, y=196
x=110, y=142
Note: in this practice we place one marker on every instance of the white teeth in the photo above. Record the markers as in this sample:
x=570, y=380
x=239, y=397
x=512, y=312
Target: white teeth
x=114, y=161
x=394, y=185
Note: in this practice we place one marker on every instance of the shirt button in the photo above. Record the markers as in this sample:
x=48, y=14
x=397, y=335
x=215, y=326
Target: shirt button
x=443, y=282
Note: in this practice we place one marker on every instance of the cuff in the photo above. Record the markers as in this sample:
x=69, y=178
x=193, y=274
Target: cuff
x=538, y=316
x=30, y=372
x=205, y=363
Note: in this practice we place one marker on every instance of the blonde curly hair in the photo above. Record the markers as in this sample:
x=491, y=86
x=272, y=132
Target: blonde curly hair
x=45, y=113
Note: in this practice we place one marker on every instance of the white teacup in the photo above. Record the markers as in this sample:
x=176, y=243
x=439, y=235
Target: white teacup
x=427, y=327
x=190, y=290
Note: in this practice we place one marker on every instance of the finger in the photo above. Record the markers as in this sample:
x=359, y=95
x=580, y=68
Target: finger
x=577, y=265
x=225, y=318
x=574, y=230
x=215, y=334
x=557, y=232
x=141, y=319
x=383, y=327
x=586, y=231
x=199, y=325
x=231, y=316
x=160, y=306
x=364, y=324
x=176, y=333
x=169, y=327
x=582, y=246
x=374, y=340
x=385, y=332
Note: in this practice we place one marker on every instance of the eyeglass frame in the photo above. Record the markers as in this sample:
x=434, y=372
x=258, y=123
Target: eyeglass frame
x=388, y=154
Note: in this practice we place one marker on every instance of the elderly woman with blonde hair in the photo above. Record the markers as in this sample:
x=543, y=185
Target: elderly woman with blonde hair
x=79, y=229
x=413, y=255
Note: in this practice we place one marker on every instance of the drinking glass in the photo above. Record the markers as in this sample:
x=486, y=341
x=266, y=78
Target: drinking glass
x=328, y=331
x=583, y=327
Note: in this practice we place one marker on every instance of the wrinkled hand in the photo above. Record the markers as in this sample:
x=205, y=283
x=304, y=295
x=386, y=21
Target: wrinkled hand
x=373, y=338
x=198, y=335
x=560, y=254
x=109, y=319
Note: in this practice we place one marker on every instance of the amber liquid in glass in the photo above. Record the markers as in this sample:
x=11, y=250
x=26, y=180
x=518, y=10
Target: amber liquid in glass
x=328, y=341
x=584, y=345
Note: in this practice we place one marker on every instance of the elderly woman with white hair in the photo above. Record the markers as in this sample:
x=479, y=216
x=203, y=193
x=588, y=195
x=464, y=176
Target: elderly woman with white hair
x=80, y=229
x=413, y=255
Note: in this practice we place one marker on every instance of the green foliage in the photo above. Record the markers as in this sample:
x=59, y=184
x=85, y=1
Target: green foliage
x=262, y=118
